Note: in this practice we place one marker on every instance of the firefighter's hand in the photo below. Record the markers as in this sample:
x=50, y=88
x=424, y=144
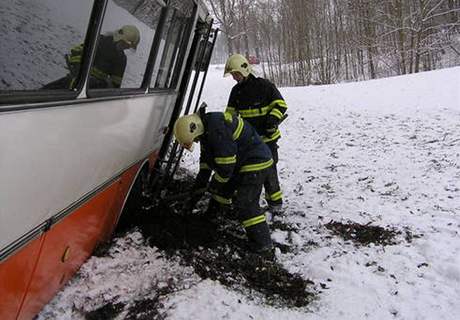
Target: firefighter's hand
x=271, y=125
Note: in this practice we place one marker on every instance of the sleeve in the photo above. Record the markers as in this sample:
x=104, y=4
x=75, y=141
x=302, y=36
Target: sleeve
x=231, y=105
x=224, y=158
x=202, y=178
x=73, y=59
x=118, y=72
x=277, y=104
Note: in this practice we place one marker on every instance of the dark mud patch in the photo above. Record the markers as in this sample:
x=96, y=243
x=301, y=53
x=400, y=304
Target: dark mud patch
x=364, y=234
x=108, y=311
x=215, y=245
x=147, y=309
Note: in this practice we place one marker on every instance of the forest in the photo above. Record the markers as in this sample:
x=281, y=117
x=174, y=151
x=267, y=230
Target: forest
x=305, y=42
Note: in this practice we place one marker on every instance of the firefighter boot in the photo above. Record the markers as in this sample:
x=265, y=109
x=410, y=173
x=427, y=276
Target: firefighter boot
x=259, y=238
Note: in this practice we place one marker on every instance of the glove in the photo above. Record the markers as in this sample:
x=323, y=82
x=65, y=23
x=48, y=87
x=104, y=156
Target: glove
x=271, y=125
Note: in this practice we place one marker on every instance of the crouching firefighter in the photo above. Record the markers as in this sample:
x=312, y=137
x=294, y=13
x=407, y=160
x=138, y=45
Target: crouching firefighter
x=233, y=150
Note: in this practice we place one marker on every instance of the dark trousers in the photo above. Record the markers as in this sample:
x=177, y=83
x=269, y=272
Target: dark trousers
x=245, y=189
x=271, y=184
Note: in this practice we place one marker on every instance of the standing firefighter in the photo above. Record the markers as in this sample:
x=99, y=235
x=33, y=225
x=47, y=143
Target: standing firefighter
x=240, y=160
x=259, y=102
x=109, y=63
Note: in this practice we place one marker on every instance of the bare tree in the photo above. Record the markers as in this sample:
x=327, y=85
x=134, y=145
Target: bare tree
x=323, y=41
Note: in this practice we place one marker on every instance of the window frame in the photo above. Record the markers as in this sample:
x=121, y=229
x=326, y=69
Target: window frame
x=32, y=99
x=183, y=50
x=36, y=96
x=110, y=92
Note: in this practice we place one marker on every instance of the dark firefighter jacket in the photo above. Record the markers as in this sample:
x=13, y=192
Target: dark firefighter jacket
x=256, y=100
x=109, y=63
x=229, y=146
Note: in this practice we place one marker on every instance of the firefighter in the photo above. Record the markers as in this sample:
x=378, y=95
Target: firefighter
x=109, y=63
x=258, y=101
x=233, y=150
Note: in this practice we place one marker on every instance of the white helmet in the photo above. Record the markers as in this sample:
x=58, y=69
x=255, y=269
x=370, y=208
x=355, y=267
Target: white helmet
x=237, y=63
x=187, y=129
x=129, y=34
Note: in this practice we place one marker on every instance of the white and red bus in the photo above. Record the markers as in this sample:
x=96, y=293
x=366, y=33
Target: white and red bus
x=73, y=153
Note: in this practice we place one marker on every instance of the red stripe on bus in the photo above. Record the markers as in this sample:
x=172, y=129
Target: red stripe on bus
x=15, y=275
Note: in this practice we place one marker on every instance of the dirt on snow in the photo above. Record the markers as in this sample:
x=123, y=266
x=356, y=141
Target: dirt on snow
x=215, y=245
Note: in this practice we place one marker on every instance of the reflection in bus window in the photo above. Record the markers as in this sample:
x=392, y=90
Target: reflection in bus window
x=36, y=36
x=172, y=44
x=124, y=43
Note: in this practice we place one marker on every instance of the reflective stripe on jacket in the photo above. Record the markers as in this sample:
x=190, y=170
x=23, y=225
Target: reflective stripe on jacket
x=109, y=63
x=255, y=99
x=230, y=146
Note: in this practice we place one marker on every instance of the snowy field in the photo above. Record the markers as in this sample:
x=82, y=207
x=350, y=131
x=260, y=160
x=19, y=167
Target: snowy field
x=382, y=153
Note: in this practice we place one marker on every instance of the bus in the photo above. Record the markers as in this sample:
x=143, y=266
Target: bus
x=89, y=91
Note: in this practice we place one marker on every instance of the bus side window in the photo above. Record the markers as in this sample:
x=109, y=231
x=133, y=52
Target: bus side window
x=36, y=39
x=124, y=44
x=173, y=44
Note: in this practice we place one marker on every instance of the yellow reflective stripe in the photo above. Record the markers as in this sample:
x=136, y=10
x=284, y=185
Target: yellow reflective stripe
x=252, y=113
x=104, y=76
x=254, y=221
x=221, y=199
x=98, y=73
x=281, y=103
x=75, y=59
x=220, y=179
x=274, y=136
x=116, y=79
x=275, y=196
x=225, y=160
x=258, y=112
x=238, y=129
x=276, y=113
x=204, y=165
x=230, y=110
x=228, y=117
x=78, y=47
x=72, y=83
x=257, y=166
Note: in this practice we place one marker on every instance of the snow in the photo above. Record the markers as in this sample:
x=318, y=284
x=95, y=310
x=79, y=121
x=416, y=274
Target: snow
x=384, y=152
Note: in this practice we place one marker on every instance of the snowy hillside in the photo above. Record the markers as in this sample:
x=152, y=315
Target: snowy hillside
x=371, y=179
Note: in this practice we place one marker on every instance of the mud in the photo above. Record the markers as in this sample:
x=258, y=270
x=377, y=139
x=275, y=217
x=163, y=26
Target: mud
x=108, y=311
x=216, y=247
x=148, y=309
x=364, y=234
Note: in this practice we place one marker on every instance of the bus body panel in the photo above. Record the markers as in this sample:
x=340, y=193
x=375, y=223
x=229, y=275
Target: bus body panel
x=66, y=246
x=57, y=156
x=61, y=250
x=67, y=167
x=15, y=276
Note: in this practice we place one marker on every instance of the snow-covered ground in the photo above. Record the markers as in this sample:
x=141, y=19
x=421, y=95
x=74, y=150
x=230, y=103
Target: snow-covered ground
x=385, y=152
